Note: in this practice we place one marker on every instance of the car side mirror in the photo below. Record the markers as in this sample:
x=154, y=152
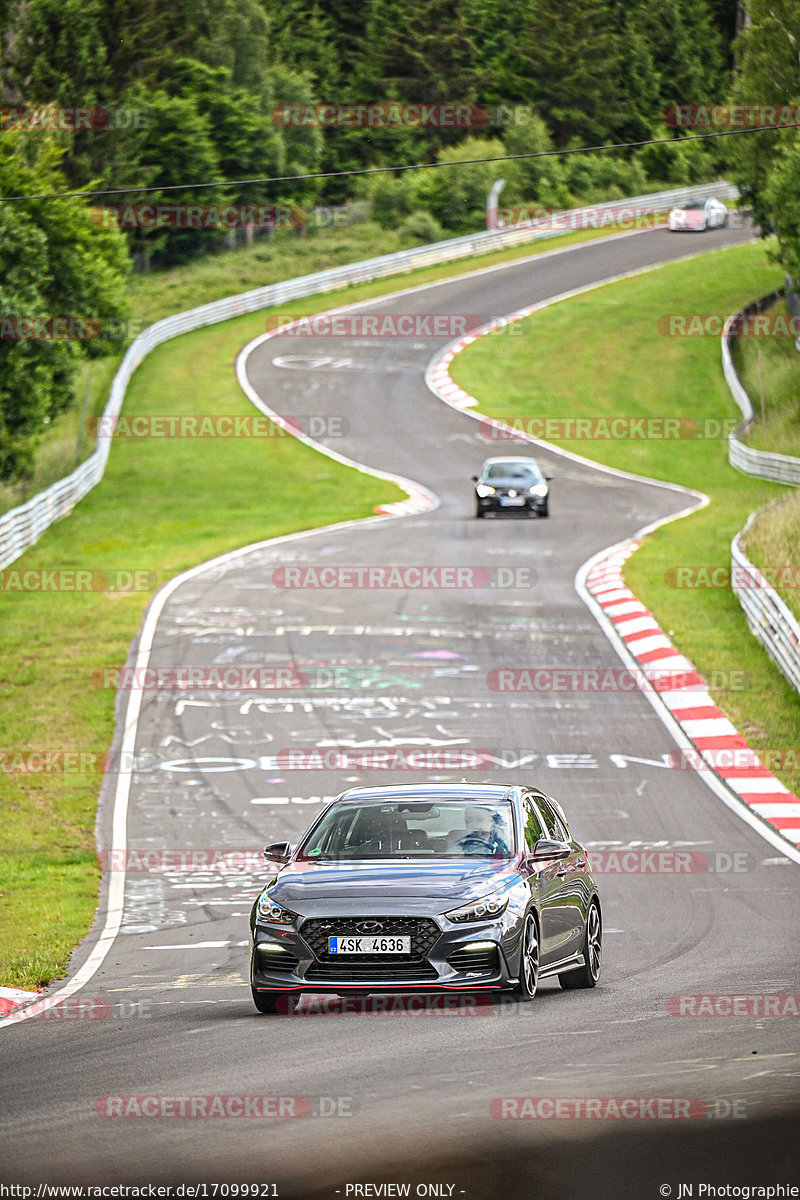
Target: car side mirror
x=548, y=477
x=278, y=852
x=545, y=848
x=474, y=478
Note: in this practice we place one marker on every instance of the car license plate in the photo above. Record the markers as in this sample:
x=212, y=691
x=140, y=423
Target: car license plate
x=369, y=945
x=512, y=501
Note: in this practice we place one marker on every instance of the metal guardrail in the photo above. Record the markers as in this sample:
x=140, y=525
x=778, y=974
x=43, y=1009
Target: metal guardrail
x=765, y=464
x=767, y=616
x=23, y=526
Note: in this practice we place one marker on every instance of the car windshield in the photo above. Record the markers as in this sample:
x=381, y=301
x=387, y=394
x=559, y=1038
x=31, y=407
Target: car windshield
x=512, y=470
x=356, y=829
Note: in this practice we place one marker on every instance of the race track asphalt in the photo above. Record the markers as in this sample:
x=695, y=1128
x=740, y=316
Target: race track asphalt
x=395, y=669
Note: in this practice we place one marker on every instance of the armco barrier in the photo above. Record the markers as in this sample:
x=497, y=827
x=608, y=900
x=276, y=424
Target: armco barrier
x=765, y=464
x=768, y=617
x=22, y=526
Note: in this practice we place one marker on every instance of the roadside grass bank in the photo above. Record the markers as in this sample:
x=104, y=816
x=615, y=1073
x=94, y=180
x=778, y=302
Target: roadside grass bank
x=162, y=293
x=769, y=367
x=163, y=505
x=553, y=373
x=773, y=540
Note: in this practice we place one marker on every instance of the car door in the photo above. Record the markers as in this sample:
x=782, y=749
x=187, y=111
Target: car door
x=544, y=881
x=567, y=895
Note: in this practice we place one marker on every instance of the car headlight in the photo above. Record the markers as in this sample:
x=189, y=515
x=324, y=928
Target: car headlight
x=484, y=489
x=272, y=913
x=480, y=910
x=539, y=489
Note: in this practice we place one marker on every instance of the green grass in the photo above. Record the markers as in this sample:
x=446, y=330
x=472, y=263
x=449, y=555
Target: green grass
x=163, y=506
x=774, y=363
x=601, y=355
x=773, y=541
x=161, y=293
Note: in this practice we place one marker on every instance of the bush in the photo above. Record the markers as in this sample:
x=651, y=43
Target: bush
x=457, y=197
x=422, y=227
x=389, y=199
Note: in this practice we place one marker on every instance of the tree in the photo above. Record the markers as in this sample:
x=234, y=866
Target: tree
x=565, y=66
x=55, y=264
x=782, y=195
x=769, y=73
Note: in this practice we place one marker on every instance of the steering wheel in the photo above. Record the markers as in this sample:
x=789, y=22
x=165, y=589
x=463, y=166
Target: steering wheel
x=479, y=843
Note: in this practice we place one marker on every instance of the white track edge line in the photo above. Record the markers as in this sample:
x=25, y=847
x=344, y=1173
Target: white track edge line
x=120, y=806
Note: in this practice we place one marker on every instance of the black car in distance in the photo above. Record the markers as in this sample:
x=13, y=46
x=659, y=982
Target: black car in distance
x=512, y=485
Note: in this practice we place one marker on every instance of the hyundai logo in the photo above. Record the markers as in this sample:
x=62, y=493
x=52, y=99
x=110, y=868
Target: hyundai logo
x=369, y=926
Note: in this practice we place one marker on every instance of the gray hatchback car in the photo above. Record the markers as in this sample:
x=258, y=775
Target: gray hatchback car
x=433, y=888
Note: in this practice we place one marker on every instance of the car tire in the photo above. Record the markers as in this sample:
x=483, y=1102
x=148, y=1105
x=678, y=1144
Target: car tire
x=525, y=989
x=588, y=975
x=479, y=511
x=726, y=220
x=273, y=1003
x=544, y=511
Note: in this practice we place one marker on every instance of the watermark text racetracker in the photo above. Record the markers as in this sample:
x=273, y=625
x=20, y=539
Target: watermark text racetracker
x=412, y=577
x=773, y=325
x=385, y=325
x=51, y=117
x=73, y=579
x=754, y=1004
x=219, y=425
x=87, y=1008
x=607, y=429
x=201, y=1107
x=400, y=115
x=612, y=1108
x=732, y=116
x=723, y=575
x=544, y=679
x=224, y=860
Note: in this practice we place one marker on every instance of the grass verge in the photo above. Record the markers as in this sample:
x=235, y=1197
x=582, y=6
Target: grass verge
x=162, y=293
x=162, y=506
x=773, y=541
x=769, y=368
x=551, y=374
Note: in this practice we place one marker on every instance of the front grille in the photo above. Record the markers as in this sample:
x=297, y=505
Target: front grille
x=423, y=931
x=483, y=959
x=277, y=959
x=367, y=968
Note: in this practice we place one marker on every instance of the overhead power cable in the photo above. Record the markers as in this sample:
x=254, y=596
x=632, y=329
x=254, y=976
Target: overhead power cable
x=464, y=162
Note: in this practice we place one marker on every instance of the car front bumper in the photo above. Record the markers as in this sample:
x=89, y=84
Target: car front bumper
x=481, y=957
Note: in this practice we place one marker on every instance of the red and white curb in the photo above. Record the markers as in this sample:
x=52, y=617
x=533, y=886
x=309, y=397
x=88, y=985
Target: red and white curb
x=719, y=745
x=418, y=498
x=769, y=806
x=417, y=502
x=11, y=998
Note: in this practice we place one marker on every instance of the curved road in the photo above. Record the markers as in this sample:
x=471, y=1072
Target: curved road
x=393, y=670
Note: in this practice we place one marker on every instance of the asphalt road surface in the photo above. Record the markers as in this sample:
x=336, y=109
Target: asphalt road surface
x=406, y=1098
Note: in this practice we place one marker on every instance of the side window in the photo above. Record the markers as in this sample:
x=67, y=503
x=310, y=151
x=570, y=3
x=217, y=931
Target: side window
x=553, y=823
x=533, y=823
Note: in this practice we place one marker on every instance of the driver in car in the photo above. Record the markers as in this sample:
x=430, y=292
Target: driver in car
x=483, y=834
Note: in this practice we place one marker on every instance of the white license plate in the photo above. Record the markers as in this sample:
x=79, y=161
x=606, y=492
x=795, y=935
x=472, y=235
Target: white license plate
x=512, y=501
x=369, y=945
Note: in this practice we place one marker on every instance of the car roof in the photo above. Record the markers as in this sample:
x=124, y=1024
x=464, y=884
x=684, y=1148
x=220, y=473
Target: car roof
x=438, y=792
x=510, y=458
